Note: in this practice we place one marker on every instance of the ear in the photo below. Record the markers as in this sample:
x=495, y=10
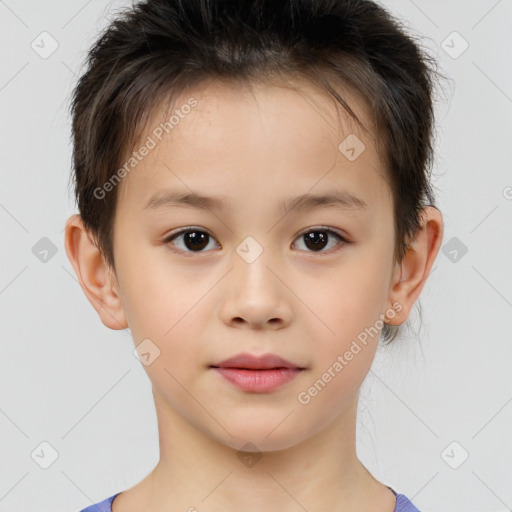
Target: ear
x=411, y=274
x=94, y=275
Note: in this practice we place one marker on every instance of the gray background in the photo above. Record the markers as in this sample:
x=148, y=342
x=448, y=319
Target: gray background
x=428, y=401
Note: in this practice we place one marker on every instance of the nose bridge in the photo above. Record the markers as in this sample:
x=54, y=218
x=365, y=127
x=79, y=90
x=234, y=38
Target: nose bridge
x=253, y=261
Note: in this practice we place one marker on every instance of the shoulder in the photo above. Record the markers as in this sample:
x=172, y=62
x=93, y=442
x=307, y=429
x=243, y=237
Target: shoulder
x=403, y=504
x=102, y=506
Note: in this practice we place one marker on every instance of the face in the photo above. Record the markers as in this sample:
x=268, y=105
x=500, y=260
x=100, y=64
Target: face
x=202, y=282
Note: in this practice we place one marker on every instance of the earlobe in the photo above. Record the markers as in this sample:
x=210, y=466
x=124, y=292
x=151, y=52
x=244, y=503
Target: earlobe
x=93, y=273
x=410, y=276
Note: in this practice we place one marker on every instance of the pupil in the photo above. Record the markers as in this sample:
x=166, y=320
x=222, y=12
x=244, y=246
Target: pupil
x=196, y=240
x=315, y=242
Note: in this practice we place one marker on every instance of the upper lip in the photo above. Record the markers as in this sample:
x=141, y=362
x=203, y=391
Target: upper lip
x=251, y=362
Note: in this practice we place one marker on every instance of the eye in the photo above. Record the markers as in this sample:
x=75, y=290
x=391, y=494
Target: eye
x=316, y=239
x=196, y=240
x=192, y=238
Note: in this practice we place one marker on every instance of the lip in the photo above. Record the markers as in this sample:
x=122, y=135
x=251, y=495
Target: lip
x=250, y=362
x=257, y=374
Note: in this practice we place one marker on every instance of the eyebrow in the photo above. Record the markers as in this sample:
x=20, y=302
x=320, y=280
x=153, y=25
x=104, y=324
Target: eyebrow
x=341, y=200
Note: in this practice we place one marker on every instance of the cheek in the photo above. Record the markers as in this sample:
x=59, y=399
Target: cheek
x=349, y=300
x=350, y=304
x=156, y=294
x=342, y=358
x=168, y=309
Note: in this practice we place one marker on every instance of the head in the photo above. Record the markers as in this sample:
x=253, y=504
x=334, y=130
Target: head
x=254, y=104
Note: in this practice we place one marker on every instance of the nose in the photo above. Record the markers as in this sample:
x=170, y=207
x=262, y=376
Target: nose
x=256, y=295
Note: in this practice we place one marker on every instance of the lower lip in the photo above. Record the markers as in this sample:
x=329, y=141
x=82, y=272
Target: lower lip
x=258, y=381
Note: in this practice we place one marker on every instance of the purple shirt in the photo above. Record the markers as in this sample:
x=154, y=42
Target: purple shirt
x=402, y=504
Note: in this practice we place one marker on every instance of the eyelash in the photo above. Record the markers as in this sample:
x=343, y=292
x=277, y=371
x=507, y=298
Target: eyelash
x=324, y=229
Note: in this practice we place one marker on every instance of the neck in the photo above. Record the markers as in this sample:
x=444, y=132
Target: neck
x=197, y=472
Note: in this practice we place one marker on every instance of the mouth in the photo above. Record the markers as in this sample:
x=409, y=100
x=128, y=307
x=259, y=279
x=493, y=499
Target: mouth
x=257, y=374
x=250, y=362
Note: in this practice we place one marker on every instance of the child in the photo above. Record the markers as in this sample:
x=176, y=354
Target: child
x=253, y=186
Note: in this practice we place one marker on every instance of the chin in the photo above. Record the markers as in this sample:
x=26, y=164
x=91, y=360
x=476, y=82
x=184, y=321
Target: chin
x=258, y=436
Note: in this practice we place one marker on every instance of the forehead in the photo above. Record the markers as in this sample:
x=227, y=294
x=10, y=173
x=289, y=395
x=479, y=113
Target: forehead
x=257, y=142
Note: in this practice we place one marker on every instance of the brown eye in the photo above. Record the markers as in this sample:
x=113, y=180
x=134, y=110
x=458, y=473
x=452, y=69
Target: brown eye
x=193, y=240
x=317, y=239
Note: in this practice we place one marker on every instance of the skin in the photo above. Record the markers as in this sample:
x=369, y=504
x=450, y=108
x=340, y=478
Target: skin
x=255, y=147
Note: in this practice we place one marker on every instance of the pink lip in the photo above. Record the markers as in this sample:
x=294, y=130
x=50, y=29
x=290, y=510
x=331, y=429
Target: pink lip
x=248, y=361
x=257, y=374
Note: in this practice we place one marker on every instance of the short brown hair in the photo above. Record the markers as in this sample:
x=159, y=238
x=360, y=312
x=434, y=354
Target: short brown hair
x=157, y=48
